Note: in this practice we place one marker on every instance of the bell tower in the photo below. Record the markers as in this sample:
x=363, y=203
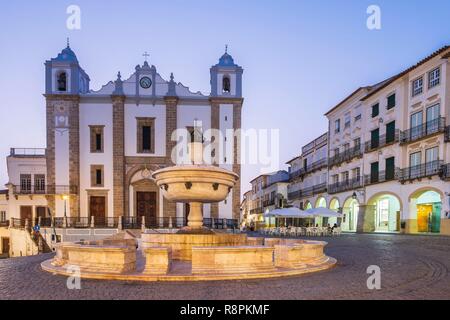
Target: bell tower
x=226, y=77
x=65, y=80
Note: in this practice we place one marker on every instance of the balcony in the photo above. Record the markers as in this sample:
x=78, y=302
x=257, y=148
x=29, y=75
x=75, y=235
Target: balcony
x=296, y=174
x=44, y=190
x=383, y=141
x=347, y=155
x=294, y=195
x=319, y=164
x=27, y=152
x=268, y=203
x=424, y=130
x=342, y=186
x=447, y=134
x=320, y=188
x=445, y=172
x=425, y=170
x=381, y=176
x=307, y=192
x=256, y=211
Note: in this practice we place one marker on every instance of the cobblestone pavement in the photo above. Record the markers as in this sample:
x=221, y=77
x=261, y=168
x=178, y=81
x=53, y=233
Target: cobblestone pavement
x=412, y=267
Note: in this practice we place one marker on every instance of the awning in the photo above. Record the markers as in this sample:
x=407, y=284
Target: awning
x=292, y=212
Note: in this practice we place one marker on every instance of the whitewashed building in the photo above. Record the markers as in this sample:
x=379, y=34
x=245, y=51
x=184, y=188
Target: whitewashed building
x=102, y=146
x=389, y=154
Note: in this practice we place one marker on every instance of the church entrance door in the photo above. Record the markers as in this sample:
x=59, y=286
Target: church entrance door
x=146, y=207
x=97, y=208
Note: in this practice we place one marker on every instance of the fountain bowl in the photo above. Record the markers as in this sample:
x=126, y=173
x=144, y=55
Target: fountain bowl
x=195, y=183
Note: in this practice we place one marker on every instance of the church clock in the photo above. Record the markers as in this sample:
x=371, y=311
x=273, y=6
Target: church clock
x=145, y=82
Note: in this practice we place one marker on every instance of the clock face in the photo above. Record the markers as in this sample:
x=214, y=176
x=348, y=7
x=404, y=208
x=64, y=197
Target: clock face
x=145, y=82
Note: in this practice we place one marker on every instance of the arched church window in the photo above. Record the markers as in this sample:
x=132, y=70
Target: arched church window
x=62, y=81
x=226, y=84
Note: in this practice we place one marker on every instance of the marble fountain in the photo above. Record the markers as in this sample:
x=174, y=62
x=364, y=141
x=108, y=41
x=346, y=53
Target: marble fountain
x=193, y=253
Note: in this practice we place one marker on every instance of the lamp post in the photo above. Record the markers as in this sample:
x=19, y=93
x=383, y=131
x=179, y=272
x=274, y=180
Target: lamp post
x=65, y=198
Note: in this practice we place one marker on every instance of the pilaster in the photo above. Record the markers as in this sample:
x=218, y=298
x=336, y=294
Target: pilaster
x=118, y=102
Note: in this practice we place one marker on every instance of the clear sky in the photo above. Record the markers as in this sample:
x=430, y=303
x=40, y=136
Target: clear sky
x=300, y=57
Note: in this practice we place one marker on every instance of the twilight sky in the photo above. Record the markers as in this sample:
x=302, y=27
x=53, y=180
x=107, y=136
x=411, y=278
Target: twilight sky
x=300, y=58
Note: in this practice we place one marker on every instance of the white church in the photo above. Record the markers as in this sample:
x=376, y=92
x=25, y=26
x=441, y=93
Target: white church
x=102, y=146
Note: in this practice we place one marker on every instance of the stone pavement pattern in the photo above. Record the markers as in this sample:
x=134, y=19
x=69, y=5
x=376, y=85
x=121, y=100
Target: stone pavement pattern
x=412, y=267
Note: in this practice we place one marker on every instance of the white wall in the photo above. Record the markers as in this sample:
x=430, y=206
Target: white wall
x=145, y=110
x=95, y=114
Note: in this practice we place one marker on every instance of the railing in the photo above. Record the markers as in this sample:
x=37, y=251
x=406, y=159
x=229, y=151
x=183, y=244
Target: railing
x=294, y=195
x=27, y=152
x=4, y=223
x=347, y=155
x=17, y=223
x=382, y=176
x=421, y=171
x=383, y=140
x=296, y=174
x=267, y=203
x=447, y=134
x=319, y=164
x=44, y=189
x=320, y=188
x=445, y=172
x=345, y=185
x=257, y=210
x=216, y=223
x=424, y=130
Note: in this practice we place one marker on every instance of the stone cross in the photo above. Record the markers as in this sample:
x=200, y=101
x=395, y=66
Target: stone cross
x=146, y=55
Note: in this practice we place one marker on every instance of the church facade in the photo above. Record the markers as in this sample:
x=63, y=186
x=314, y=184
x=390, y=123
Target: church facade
x=102, y=146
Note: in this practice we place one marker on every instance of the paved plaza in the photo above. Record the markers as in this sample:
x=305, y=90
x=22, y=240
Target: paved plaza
x=412, y=267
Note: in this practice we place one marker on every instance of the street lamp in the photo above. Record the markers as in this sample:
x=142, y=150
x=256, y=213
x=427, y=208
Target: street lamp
x=65, y=198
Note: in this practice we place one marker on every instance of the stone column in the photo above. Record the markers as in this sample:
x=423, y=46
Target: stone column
x=366, y=219
x=237, y=111
x=50, y=153
x=215, y=124
x=169, y=207
x=74, y=156
x=118, y=106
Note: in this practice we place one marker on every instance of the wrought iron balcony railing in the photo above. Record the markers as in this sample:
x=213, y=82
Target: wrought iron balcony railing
x=296, y=174
x=44, y=189
x=345, y=185
x=347, y=155
x=295, y=195
x=268, y=203
x=320, y=188
x=319, y=164
x=383, y=141
x=382, y=176
x=422, y=171
x=422, y=131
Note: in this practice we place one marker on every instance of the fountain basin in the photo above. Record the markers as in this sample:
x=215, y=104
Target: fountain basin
x=181, y=244
x=195, y=183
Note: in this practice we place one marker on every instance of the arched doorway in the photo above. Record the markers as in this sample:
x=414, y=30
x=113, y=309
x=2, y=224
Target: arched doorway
x=307, y=205
x=350, y=215
x=386, y=210
x=334, y=205
x=427, y=203
x=145, y=200
x=321, y=221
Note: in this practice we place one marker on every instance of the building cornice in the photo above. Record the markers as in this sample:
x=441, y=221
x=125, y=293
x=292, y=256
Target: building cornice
x=64, y=97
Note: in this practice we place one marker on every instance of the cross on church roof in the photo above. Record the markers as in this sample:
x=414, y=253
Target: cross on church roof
x=226, y=48
x=146, y=55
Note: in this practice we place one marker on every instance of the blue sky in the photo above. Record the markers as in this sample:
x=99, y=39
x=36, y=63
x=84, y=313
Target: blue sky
x=300, y=57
